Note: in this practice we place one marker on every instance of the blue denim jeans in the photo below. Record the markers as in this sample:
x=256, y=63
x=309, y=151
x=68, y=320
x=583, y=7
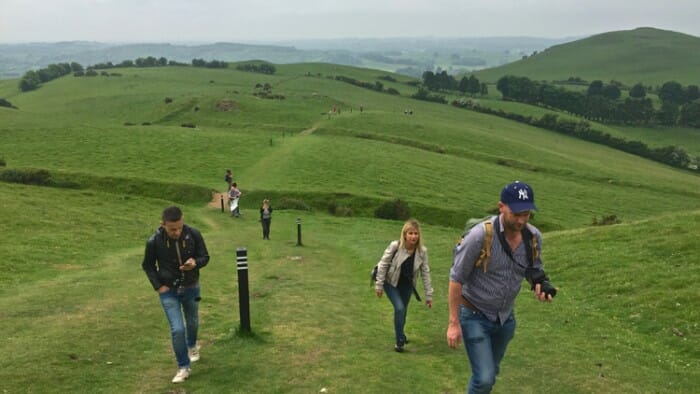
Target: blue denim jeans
x=399, y=297
x=183, y=332
x=485, y=342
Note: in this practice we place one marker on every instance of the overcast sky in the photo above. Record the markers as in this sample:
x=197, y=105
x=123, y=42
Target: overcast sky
x=182, y=21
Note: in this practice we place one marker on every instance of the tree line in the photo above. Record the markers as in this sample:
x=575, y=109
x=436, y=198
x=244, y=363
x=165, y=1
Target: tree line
x=444, y=81
x=581, y=129
x=602, y=102
x=33, y=79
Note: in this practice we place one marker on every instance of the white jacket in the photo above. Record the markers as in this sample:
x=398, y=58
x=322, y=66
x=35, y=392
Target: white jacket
x=389, y=269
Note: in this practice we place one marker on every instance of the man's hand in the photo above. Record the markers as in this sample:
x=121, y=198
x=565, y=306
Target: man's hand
x=379, y=292
x=189, y=265
x=429, y=303
x=454, y=334
x=163, y=289
x=542, y=297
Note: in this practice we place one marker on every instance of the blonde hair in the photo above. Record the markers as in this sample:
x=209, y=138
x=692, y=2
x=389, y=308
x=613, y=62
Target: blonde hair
x=408, y=225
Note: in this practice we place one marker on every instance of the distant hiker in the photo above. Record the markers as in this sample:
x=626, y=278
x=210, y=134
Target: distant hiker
x=174, y=255
x=397, y=270
x=233, y=195
x=266, y=218
x=482, y=293
x=361, y=108
x=228, y=178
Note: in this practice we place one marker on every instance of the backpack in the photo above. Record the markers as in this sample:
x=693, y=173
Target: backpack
x=373, y=273
x=485, y=254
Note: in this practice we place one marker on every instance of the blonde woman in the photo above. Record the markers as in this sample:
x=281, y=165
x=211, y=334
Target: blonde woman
x=397, y=271
x=266, y=218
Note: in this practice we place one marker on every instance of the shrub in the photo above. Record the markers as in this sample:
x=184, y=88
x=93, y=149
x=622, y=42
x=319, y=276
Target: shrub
x=343, y=211
x=168, y=100
x=190, y=125
x=28, y=177
x=394, y=210
x=606, y=220
x=336, y=210
x=5, y=103
x=2, y=162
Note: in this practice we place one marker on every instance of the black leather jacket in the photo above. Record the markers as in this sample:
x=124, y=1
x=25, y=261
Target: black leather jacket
x=160, y=260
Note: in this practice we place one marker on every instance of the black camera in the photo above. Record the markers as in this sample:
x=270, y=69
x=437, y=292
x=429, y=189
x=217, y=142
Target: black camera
x=537, y=277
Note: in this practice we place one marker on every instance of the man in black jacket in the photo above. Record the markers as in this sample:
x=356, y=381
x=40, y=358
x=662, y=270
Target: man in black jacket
x=174, y=255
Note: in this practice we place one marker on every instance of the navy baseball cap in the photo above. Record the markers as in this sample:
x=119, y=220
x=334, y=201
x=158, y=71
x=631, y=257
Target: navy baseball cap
x=519, y=197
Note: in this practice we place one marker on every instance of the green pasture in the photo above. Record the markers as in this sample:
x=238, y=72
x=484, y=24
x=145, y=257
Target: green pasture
x=654, y=136
x=79, y=313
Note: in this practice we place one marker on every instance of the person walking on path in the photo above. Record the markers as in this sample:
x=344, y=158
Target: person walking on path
x=174, y=255
x=397, y=270
x=266, y=218
x=228, y=178
x=482, y=292
x=233, y=195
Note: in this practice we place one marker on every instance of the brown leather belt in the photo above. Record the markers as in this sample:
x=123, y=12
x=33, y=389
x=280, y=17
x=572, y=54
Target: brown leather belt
x=468, y=304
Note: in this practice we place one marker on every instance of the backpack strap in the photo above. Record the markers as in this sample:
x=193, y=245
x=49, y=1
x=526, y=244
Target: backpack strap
x=533, y=252
x=485, y=253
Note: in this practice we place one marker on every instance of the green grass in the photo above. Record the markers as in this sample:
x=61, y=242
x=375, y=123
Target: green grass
x=654, y=136
x=79, y=313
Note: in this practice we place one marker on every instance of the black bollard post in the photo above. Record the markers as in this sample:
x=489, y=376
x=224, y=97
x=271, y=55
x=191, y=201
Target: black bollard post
x=242, y=264
x=222, y=203
x=299, y=232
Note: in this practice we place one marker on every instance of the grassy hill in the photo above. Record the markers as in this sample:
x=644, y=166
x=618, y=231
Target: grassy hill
x=646, y=55
x=75, y=302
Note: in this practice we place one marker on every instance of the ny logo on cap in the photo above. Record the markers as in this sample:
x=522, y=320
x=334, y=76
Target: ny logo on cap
x=522, y=194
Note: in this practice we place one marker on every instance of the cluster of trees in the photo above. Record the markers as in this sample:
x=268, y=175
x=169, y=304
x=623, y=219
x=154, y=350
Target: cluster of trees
x=261, y=67
x=32, y=79
x=210, y=64
x=581, y=129
x=602, y=102
x=444, y=81
x=376, y=86
x=423, y=94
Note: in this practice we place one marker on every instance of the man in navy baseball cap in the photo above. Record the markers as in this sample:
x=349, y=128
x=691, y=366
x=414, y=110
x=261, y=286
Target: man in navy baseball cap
x=519, y=197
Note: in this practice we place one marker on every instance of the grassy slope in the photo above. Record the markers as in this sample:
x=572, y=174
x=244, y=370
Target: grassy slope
x=655, y=136
x=332, y=338
x=641, y=55
x=613, y=327
x=88, y=115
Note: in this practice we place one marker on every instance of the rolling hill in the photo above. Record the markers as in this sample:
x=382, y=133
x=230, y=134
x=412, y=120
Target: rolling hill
x=647, y=55
x=109, y=152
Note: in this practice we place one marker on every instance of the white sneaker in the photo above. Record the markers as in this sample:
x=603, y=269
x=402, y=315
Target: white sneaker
x=194, y=353
x=182, y=374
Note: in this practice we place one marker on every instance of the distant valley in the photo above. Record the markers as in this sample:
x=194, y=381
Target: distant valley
x=407, y=56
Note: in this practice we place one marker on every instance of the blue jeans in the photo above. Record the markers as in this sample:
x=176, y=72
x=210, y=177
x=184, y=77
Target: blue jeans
x=183, y=333
x=485, y=342
x=399, y=297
